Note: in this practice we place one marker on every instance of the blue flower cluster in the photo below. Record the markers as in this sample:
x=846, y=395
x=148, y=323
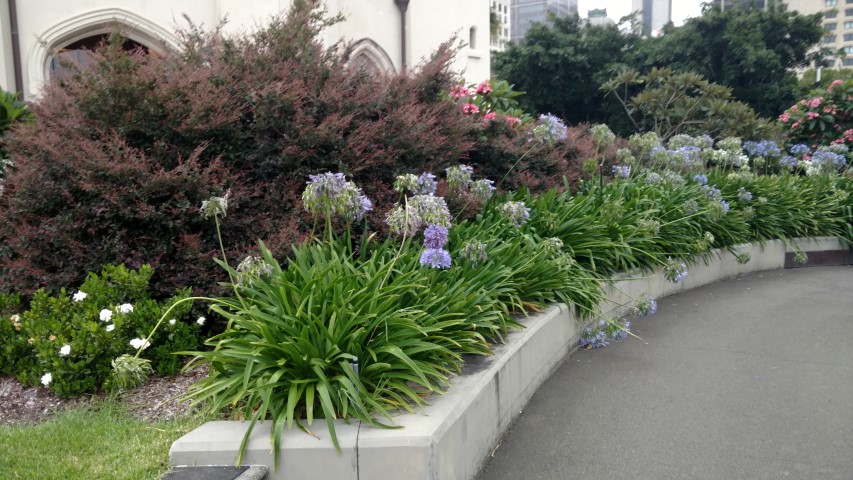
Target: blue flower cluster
x=554, y=127
x=829, y=160
x=700, y=179
x=475, y=252
x=788, y=162
x=435, y=256
x=799, y=150
x=647, y=306
x=593, y=338
x=331, y=193
x=765, y=148
x=675, y=271
x=743, y=195
x=516, y=212
x=622, y=171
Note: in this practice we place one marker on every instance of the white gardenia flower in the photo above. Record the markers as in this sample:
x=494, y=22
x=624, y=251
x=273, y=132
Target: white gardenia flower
x=106, y=315
x=139, y=342
x=65, y=350
x=200, y=320
x=80, y=296
x=125, y=308
x=111, y=327
x=172, y=321
x=46, y=379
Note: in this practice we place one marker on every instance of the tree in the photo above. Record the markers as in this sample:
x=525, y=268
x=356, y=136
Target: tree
x=670, y=103
x=560, y=65
x=751, y=50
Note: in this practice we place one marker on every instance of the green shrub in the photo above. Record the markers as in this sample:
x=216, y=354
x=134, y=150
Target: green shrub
x=75, y=337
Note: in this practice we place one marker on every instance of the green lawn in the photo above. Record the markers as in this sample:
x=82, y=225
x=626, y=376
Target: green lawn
x=101, y=441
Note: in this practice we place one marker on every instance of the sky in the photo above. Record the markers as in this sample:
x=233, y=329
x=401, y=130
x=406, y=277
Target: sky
x=617, y=9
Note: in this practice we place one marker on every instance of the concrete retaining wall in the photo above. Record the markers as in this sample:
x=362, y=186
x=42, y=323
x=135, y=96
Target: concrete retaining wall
x=455, y=434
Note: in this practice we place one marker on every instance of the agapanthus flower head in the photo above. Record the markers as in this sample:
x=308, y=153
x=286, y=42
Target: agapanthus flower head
x=551, y=246
x=426, y=184
x=602, y=135
x=799, y=150
x=827, y=160
x=622, y=171
x=673, y=178
x=681, y=140
x=618, y=330
x=647, y=306
x=484, y=88
x=418, y=212
x=801, y=258
x=654, y=178
x=788, y=162
x=674, y=270
x=435, y=258
x=712, y=192
x=624, y=155
x=765, y=148
x=331, y=194
x=743, y=195
x=700, y=179
x=482, y=190
x=685, y=157
x=459, y=178
x=252, y=267
x=459, y=91
x=552, y=128
x=475, y=252
x=80, y=296
x=516, y=212
x=593, y=338
x=435, y=236
x=215, y=206
x=645, y=142
x=730, y=144
x=406, y=183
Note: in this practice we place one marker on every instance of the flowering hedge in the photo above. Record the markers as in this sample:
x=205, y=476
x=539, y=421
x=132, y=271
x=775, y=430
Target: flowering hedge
x=824, y=119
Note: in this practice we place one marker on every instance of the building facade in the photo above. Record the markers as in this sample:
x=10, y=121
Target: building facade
x=524, y=13
x=501, y=38
x=598, y=17
x=653, y=15
x=388, y=35
x=837, y=21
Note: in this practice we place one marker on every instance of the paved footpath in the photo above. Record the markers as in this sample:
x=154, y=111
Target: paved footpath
x=748, y=378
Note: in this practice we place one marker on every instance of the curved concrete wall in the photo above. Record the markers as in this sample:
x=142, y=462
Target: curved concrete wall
x=454, y=435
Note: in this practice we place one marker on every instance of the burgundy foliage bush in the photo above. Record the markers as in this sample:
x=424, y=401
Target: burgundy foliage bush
x=122, y=153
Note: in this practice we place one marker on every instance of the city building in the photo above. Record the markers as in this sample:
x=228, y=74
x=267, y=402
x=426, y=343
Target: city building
x=524, y=13
x=501, y=38
x=837, y=21
x=598, y=17
x=653, y=15
x=388, y=35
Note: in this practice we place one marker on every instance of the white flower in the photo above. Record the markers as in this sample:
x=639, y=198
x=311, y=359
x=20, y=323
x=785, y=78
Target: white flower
x=125, y=308
x=65, y=350
x=46, y=379
x=80, y=296
x=172, y=321
x=139, y=342
x=106, y=315
x=200, y=320
x=111, y=327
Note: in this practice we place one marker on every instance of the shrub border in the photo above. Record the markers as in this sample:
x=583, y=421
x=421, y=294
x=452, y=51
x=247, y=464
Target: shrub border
x=454, y=435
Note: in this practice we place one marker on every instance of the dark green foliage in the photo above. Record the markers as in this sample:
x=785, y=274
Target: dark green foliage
x=33, y=346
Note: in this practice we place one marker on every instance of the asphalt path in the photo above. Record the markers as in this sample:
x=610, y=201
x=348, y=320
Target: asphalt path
x=747, y=378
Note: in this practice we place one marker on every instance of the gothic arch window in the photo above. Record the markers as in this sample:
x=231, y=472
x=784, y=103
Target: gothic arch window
x=83, y=32
x=368, y=55
x=80, y=53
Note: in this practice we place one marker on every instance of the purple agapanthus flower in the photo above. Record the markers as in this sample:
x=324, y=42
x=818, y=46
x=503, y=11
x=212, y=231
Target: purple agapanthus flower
x=427, y=184
x=435, y=237
x=436, y=258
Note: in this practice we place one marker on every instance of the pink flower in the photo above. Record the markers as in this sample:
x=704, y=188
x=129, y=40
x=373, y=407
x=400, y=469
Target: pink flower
x=459, y=91
x=784, y=117
x=834, y=84
x=470, y=109
x=813, y=115
x=815, y=102
x=489, y=116
x=513, y=120
x=484, y=88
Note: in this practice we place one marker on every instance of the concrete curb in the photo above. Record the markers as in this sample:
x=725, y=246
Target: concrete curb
x=455, y=434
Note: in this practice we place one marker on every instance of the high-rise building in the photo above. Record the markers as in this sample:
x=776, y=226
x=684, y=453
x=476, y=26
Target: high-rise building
x=598, y=17
x=837, y=22
x=654, y=14
x=524, y=13
x=500, y=38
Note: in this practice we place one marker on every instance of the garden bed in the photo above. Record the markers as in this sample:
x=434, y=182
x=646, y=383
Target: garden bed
x=452, y=437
